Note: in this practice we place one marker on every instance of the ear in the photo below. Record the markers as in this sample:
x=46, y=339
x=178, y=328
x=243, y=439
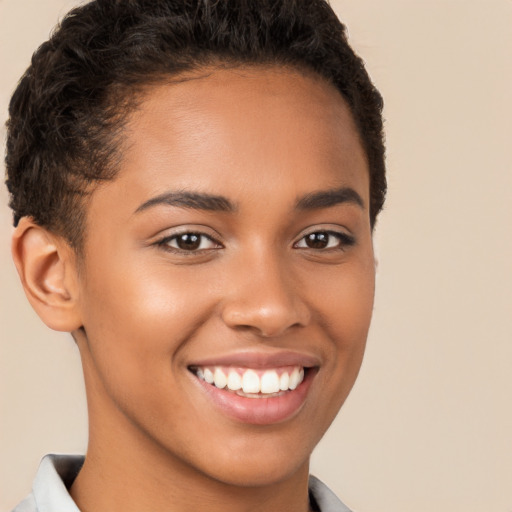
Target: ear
x=47, y=268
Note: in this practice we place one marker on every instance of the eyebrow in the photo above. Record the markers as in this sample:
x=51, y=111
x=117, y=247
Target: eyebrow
x=209, y=202
x=193, y=200
x=328, y=198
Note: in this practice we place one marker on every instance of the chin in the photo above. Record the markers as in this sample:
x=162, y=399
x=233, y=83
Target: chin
x=259, y=473
x=260, y=462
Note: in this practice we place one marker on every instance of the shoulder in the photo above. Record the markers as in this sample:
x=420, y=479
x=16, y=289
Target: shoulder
x=324, y=498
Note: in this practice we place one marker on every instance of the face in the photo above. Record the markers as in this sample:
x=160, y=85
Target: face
x=228, y=276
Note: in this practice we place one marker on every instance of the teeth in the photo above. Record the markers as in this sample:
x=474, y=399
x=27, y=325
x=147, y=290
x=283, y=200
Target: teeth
x=208, y=376
x=234, y=381
x=284, y=381
x=219, y=378
x=296, y=378
x=250, y=382
x=270, y=382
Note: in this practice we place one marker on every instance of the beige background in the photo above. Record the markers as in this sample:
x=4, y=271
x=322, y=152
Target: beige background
x=429, y=424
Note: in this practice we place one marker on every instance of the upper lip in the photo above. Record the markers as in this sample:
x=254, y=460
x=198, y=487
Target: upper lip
x=260, y=360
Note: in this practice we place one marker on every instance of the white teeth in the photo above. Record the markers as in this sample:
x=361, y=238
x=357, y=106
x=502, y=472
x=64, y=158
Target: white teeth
x=234, y=381
x=208, y=376
x=284, y=381
x=270, y=382
x=250, y=382
x=219, y=378
x=295, y=379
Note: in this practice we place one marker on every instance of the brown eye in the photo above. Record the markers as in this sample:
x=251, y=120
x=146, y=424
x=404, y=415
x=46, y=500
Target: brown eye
x=189, y=242
x=318, y=240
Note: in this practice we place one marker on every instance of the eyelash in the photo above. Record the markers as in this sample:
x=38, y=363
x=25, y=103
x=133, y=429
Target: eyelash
x=343, y=241
x=165, y=242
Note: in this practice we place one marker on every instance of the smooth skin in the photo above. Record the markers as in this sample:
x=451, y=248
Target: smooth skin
x=280, y=260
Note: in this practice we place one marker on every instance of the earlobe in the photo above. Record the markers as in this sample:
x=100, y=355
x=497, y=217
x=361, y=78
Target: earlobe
x=46, y=265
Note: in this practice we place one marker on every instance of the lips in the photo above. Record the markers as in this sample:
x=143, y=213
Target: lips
x=258, y=389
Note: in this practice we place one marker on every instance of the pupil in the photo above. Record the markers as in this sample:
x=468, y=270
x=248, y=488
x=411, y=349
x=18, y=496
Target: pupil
x=189, y=241
x=317, y=240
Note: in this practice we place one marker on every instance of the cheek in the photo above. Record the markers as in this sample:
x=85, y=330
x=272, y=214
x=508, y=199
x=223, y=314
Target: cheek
x=137, y=319
x=355, y=310
x=344, y=301
x=345, y=309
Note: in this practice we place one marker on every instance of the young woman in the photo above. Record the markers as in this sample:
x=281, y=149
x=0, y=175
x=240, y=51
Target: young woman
x=195, y=186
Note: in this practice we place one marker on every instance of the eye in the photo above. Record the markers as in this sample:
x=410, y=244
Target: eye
x=189, y=242
x=319, y=240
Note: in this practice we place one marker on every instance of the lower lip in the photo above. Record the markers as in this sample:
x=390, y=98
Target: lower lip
x=260, y=411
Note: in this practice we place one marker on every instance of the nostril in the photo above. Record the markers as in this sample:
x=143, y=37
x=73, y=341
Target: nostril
x=265, y=327
x=268, y=319
x=266, y=302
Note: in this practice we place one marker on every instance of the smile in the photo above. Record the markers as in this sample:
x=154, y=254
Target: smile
x=256, y=388
x=252, y=383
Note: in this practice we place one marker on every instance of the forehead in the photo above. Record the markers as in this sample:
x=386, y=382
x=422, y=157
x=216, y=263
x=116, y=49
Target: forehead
x=242, y=130
x=206, y=106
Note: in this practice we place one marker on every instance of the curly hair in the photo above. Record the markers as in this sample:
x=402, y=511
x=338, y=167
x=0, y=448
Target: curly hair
x=67, y=114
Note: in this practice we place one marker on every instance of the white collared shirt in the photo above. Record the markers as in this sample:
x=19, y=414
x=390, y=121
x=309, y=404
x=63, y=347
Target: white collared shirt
x=57, y=472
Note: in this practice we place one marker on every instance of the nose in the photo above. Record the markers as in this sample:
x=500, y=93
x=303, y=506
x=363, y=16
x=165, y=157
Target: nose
x=264, y=298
